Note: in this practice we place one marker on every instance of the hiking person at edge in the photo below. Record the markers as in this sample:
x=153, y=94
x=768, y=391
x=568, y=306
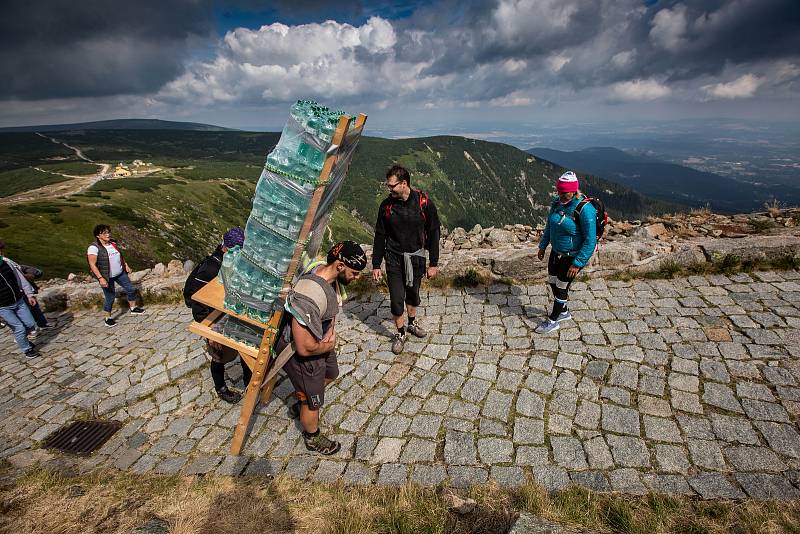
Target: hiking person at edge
x=310, y=329
x=573, y=241
x=207, y=270
x=15, y=296
x=407, y=225
x=109, y=267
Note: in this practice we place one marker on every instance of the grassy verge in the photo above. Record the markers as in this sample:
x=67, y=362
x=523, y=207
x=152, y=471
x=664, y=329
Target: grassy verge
x=47, y=502
x=727, y=266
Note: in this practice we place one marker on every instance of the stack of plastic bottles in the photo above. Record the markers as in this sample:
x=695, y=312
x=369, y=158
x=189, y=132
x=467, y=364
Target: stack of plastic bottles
x=254, y=275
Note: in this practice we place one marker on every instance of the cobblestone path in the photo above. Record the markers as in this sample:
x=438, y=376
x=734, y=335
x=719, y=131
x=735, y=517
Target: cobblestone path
x=686, y=386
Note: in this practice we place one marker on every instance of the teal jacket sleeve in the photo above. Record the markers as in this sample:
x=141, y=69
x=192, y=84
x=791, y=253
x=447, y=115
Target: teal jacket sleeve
x=545, y=240
x=588, y=220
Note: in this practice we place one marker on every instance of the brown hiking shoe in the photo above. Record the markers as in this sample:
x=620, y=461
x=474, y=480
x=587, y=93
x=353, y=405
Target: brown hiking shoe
x=321, y=444
x=398, y=342
x=417, y=330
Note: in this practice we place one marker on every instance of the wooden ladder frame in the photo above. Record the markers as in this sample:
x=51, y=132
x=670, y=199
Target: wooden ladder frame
x=213, y=295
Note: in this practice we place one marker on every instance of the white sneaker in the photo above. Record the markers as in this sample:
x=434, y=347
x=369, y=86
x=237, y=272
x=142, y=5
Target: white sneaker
x=547, y=326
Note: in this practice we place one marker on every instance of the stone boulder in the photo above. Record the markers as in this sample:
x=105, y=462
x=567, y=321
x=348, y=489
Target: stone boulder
x=458, y=236
x=683, y=255
x=138, y=276
x=175, y=268
x=754, y=248
x=519, y=264
x=499, y=236
x=188, y=265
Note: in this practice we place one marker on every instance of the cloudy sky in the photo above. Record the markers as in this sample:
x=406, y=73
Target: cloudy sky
x=452, y=63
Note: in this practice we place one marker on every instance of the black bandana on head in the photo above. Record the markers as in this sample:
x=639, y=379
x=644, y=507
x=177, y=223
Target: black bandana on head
x=350, y=253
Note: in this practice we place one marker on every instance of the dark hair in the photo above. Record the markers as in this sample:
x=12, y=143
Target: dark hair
x=100, y=228
x=399, y=172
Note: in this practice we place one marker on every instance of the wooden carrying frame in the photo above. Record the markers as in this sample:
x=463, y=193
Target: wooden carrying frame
x=213, y=295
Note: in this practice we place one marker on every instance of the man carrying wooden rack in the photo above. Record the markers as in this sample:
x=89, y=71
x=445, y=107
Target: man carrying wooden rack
x=310, y=332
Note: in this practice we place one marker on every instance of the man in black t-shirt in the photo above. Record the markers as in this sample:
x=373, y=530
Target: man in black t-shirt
x=407, y=226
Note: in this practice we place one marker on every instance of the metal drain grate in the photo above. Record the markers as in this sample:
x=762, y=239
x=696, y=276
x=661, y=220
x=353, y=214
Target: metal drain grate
x=82, y=437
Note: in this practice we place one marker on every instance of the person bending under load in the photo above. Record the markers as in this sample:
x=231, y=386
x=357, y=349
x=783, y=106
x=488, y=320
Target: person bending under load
x=109, y=267
x=573, y=240
x=407, y=225
x=207, y=270
x=311, y=308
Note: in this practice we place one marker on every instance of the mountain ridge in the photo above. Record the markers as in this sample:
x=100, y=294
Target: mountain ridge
x=121, y=124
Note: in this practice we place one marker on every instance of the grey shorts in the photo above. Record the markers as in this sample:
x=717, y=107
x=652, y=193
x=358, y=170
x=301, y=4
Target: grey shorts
x=308, y=375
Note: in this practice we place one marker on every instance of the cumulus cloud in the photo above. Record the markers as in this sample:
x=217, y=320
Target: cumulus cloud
x=742, y=87
x=276, y=62
x=641, y=90
x=669, y=28
x=449, y=53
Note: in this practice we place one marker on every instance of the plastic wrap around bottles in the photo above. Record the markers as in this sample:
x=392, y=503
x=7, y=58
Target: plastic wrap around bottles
x=254, y=275
x=243, y=332
x=305, y=140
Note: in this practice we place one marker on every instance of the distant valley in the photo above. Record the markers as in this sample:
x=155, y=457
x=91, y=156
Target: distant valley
x=672, y=182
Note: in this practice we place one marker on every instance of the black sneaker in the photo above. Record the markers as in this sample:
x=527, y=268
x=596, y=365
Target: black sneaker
x=3, y=324
x=138, y=310
x=110, y=322
x=229, y=396
x=32, y=353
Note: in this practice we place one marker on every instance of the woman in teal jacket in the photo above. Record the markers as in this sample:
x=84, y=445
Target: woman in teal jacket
x=573, y=240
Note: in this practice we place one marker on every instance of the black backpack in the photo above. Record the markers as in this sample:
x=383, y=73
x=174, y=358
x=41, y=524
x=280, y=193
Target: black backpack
x=600, y=210
x=601, y=218
x=209, y=266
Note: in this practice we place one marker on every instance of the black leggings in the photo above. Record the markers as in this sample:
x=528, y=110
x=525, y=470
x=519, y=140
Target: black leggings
x=557, y=268
x=218, y=374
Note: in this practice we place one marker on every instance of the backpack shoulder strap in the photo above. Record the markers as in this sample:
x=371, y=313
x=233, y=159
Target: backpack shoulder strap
x=579, y=208
x=423, y=205
x=387, y=209
x=313, y=290
x=576, y=214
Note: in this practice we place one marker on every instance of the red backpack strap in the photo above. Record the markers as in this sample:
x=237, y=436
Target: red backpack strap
x=423, y=205
x=387, y=210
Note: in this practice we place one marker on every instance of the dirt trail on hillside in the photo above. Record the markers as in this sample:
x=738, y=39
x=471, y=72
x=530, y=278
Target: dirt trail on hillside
x=73, y=184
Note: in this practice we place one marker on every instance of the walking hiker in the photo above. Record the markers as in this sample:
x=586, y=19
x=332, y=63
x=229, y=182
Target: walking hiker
x=571, y=232
x=407, y=225
x=206, y=271
x=109, y=267
x=15, y=296
x=310, y=332
x=31, y=274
